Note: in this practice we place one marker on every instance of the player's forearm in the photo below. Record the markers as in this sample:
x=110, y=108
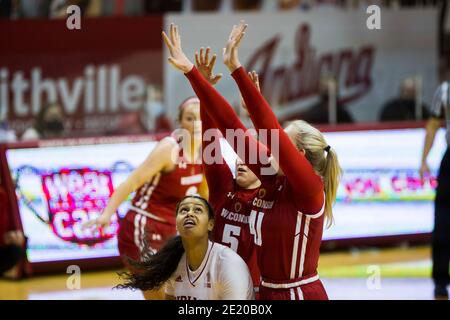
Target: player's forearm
x=118, y=197
x=216, y=106
x=212, y=165
x=259, y=109
x=225, y=119
x=298, y=170
x=431, y=130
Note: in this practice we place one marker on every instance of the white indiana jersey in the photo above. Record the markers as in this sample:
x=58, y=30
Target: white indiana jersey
x=222, y=275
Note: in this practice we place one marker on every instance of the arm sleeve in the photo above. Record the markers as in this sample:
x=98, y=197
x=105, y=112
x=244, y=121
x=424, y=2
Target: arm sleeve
x=215, y=169
x=306, y=186
x=234, y=277
x=225, y=118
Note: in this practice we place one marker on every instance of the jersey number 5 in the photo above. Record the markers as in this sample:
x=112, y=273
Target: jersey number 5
x=255, y=223
x=230, y=234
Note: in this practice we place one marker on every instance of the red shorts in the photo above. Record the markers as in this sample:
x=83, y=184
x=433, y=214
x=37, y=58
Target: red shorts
x=136, y=231
x=310, y=291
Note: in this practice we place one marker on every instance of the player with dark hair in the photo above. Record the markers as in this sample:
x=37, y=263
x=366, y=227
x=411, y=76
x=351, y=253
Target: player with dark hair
x=190, y=265
x=287, y=218
x=170, y=172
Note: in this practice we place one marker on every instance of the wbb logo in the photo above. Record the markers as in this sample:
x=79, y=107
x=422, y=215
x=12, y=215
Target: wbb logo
x=73, y=17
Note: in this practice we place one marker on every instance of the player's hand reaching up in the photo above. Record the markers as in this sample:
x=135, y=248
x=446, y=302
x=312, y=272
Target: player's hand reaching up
x=206, y=65
x=230, y=52
x=177, y=58
x=255, y=79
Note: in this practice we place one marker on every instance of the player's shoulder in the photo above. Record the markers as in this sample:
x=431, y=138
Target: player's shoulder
x=165, y=146
x=169, y=142
x=226, y=255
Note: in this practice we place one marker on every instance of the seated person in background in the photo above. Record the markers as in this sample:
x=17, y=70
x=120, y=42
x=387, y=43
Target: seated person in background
x=6, y=9
x=49, y=124
x=403, y=108
x=90, y=8
x=11, y=243
x=288, y=4
x=6, y=134
x=318, y=113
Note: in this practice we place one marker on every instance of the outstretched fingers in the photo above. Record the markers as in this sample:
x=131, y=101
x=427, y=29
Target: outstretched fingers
x=167, y=42
x=212, y=62
x=208, y=50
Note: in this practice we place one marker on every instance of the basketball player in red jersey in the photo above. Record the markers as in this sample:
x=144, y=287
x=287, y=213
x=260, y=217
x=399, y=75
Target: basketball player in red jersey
x=170, y=172
x=288, y=217
x=231, y=198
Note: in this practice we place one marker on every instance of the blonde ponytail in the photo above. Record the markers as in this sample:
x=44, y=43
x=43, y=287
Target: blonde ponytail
x=331, y=176
x=323, y=159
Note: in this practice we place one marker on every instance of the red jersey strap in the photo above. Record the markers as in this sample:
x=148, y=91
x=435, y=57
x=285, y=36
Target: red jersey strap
x=288, y=284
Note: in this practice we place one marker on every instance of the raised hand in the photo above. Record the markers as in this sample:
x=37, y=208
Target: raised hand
x=177, y=57
x=206, y=66
x=230, y=52
x=255, y=79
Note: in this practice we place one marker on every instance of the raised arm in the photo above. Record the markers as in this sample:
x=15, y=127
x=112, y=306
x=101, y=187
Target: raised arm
x=214, y=164
x=219, y=110
x=304, y=182
x=158, y=160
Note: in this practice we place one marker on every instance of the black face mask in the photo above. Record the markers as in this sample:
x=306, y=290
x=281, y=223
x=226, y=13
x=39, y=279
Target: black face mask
x=54, y=126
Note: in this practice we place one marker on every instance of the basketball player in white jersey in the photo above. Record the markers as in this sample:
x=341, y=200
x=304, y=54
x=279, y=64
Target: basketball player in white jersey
x=191, y=266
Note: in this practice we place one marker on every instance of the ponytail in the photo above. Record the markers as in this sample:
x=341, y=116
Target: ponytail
x=331, y=175
x=323, y=159
x=155, y=269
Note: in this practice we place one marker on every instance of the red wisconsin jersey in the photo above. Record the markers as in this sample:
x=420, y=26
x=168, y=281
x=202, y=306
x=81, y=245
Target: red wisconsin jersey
x=287, y=241
x=232, y=213
x=158, y=197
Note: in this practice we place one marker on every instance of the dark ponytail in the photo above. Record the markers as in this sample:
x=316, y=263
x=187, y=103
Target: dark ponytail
x=155, y=269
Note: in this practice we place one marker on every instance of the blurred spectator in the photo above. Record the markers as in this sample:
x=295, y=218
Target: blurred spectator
x=49, y=124
x=11, y=242
x=206, y=5
x=161, y=6
x=32, y=8
x=6, y=8
x=318, y=113
x=247, y=4
x=288, y=4
x=123, y=7
x=6, y=135
x=91, y=8
x=404, y=106
x=154, y=116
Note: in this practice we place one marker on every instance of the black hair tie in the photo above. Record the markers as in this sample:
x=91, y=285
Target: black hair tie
x=327, y=148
